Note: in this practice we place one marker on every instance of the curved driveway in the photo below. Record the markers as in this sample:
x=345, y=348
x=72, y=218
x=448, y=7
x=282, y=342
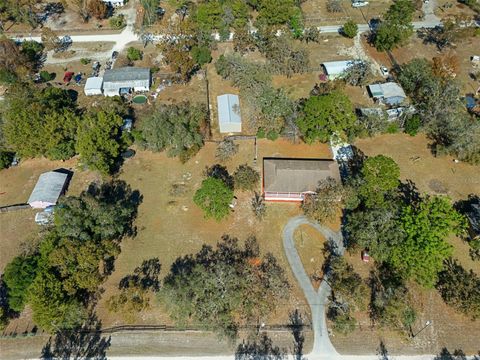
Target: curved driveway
x=322, y=347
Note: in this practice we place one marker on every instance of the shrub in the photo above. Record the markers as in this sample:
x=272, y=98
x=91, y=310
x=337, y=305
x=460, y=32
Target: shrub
x=272, y=135
x=85, y=61
x=46, y=76
x=201, y=55
x=392, y=128
x=134, y=54
x=117, y=22
x=350, y=29
x=261, y=133
x=246, y=178
x=214, y=198
x=6, y=158
x=225, y=150
x=412, y=125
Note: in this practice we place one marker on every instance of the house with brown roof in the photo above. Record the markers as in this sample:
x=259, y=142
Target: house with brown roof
x=290, y=179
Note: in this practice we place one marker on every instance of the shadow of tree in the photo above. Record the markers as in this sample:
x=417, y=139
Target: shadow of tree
x=259, y=349
x=446, y=355
x=382, y=351
x=296, y=326
x=145, y=276
x=409, y=192
x=84, y=342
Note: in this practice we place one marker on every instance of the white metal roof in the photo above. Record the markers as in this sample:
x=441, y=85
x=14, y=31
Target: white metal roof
x=48, y=188
x=387, y=90
x=337, y=67
x=228, y=109
x=94, y=83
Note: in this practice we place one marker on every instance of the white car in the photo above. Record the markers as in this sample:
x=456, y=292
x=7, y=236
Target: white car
x=384, y=71
x=358, y=4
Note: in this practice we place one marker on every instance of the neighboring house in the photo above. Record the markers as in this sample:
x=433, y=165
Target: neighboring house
x=126, y=80
x=291, y=179
x=49, y=187
x=229, y=119
x=389, y=93
x=114, y=3
x=335, y=69
x=93, y=86
x=473, y=215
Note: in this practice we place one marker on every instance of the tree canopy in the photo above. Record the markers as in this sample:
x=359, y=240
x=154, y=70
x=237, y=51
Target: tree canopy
x=176, y=129
x=214, y=198
x=221, y=288
x=326, y=115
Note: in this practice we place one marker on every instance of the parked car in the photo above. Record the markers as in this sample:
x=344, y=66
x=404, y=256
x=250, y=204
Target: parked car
x=384, y=71
x=114, y=55
x=374, y=24
x=358, y=4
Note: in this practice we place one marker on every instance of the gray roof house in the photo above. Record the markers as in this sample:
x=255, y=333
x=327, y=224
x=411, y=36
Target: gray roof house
x=229, y=119
x=126, y=79
x=389, y=93
x=49, y=187
x=291, y=179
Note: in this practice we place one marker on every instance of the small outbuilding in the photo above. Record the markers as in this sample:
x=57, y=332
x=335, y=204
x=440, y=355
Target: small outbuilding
x=291, y=179
x=229, y=119
x=335, y=69
x=114, y=3
x=94, y=86
x=49, y=187
x=126, y=80
x=389, y=93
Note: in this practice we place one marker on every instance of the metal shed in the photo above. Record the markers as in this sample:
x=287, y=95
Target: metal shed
x=131, y=78
x=229, y=118
x=93, y=86
x=49, y=187
x=390, y=93
x=335, y=69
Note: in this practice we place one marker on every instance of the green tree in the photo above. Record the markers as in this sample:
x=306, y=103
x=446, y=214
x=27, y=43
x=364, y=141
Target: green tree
x=37, y=123
x=18, y=276
x=134, y=54
x=397, y=26
x=117, y=22
x=201, y=55
x=460, y=288
x=326, y=202
x=380, y=176
x=350, y=29
x=420, y=256
x=6, y=158
x=214, y=198
x=33, y=51
x=224, y=287
x=326, y=115
x=175, y=128
x=276, y=12
x=246, y=177
x=99, y=141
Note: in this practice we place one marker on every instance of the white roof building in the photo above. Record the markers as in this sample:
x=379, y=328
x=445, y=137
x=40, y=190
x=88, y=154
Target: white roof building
x=334, y=69
x=390, y=93
x=127, y=79
x=114, y=3
x=229, y=119
x=49, y=187
x=94, y=86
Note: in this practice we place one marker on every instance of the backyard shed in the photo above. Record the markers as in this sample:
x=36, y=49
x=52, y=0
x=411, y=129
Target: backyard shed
x=229, y=119
x=130, y=79
x=93, y=86
x=390, y=93
x=49, y=187
x=291, y=179
x=114, y=3
x=335, y=69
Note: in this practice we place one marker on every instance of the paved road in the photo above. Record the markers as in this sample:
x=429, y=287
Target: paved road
x=322, y=347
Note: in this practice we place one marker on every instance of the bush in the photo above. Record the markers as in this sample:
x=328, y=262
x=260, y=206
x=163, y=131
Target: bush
x=350, y=29
x=117, y=22
x=392, y=128
x=134, y=54
x=272, y=135
x=225, y=150
x=201, y=55
x=46, y=76
x=85, y=61
x=6, y=158
x=412, y=125
x=261, y=133
x=246, y=178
